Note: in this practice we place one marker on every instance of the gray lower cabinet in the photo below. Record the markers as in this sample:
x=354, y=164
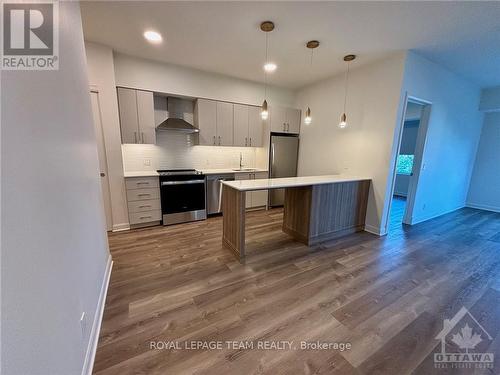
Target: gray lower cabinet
x=143, y=200
x=254, y=199
x=136, y=108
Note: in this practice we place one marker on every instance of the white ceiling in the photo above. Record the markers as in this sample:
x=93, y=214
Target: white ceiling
x=224, y=37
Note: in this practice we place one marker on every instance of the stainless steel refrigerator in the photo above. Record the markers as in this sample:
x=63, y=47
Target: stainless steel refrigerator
x=283, y=157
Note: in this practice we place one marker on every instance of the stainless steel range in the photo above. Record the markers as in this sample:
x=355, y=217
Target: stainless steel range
x=182, y=195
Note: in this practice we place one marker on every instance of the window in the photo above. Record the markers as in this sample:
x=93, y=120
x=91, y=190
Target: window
x=405, y=164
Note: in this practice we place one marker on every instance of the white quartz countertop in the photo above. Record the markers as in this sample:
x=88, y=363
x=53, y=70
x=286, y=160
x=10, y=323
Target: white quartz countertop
x=141, y=174
x=229, y=170
x=278, y=183
x=205, y=171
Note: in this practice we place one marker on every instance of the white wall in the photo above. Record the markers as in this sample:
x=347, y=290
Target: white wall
x=484, y=190
x=452, y=136
x=173, y=79
x=365, y=146
x=490, y=99
x=54, y=246
x=102, y=77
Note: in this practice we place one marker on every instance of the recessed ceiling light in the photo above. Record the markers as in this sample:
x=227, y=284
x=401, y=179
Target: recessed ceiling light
x=270, y=67
x=153, y=36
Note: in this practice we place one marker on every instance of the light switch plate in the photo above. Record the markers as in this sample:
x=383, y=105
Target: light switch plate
x=147, y=162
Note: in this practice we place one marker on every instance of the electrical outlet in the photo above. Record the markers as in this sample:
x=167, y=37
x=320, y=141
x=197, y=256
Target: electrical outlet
x=83, y=323
x=147, y=162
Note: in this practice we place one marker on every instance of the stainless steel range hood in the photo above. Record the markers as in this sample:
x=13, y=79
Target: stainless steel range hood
x=180, y=116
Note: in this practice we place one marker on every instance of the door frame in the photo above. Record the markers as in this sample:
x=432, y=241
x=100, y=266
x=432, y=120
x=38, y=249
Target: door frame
x=418, y=157
x=108, y=216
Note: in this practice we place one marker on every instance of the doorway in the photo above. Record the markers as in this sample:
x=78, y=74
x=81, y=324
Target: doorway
x=408, y=163
x=101, y=152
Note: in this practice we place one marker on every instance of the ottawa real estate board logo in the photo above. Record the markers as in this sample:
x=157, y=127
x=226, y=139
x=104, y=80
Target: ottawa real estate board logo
x=30, y=38
x=464, y=344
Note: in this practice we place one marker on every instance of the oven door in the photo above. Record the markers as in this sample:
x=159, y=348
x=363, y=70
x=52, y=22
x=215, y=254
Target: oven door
x=183, y=201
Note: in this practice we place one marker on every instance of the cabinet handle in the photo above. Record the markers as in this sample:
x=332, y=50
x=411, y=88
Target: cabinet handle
x=250, y=141
x=219, y=140
x=284, y=127
x=145, y=217
x=135, y=137
x=214, y=139
x=143, y=195
x=142, y=137
x=143, y=183
x=246, y=144
x=145, y=206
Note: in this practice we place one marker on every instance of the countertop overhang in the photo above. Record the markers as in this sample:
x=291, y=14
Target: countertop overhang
x=286, y=182
x=130, y=174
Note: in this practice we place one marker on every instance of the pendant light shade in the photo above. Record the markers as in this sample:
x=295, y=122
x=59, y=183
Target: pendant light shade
x=312, y=44
x=343, y=121
x=343, y=118
x=267, y=27
x=264, y=114
x=308, y=119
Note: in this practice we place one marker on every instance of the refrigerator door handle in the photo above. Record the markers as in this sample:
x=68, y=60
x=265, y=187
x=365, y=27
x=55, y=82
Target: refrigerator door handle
x=272, y=159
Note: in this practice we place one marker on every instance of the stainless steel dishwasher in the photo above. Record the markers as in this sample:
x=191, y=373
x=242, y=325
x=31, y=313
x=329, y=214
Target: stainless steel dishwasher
x=214, y=191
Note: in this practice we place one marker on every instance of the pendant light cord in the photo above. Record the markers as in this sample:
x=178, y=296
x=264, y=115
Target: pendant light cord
x=310, y=75
x=346, y=85
x=266, y=61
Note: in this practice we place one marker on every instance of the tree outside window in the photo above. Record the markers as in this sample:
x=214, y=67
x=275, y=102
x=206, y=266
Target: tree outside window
x=405, y=164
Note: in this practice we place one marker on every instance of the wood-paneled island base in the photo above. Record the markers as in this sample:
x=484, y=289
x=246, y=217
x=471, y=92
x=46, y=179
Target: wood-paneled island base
x=316, y=208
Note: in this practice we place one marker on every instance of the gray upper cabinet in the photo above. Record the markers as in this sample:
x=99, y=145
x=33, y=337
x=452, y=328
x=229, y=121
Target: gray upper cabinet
x=240, y=135
x=136, y=116
x=146, y=117
x=205, y=117
x=224, y=124
x=215, y=121
x=285, y=120
x=293, y=120
x=255, y=127
x=247, y=126
x=129, y=125
x=277, y=118
x=228, y=124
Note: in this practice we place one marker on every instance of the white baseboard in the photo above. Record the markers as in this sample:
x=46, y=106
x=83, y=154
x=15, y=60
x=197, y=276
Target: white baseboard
x=433, y=216
x=88, y=364
x=374, y=230
x=486, y=207
x=120, y=227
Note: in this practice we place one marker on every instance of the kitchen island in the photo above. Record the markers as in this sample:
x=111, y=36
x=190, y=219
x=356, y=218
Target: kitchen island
x=316, y=208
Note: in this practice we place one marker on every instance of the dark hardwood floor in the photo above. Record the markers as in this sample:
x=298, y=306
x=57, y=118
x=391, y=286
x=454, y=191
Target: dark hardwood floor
x=386, y=296
x=398, y=208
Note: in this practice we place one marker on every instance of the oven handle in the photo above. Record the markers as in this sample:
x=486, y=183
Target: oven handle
x=188, y=182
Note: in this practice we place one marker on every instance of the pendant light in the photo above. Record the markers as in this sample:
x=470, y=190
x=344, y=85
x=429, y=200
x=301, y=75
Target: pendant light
x=343, y=118
x=267, y=27
x=312, y=44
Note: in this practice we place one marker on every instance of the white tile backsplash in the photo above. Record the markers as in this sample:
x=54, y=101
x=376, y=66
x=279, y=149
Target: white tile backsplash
x=177, y=150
